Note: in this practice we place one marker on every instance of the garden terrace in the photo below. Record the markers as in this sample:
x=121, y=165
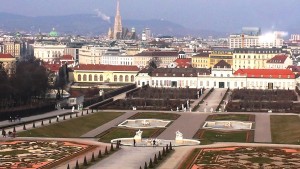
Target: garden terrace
x=144, y=104
x=164, y=93
x=285, y=129
x=75, y=127
x=39, y=154
x=155, y=115
x=263, y=95
x=263, y=101
x=242, y=157
x=211, y=136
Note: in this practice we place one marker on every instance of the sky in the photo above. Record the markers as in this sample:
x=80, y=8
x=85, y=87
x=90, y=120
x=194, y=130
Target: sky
x=198, y=14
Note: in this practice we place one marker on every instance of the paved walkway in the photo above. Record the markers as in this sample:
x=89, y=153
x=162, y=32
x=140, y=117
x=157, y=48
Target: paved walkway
x=110, y=124
x=128, y=158
x=188, y=124
x=213, y=100
x=262, y=128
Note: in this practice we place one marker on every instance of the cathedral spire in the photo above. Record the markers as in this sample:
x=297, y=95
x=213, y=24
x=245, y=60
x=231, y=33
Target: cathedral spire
x=118, y=23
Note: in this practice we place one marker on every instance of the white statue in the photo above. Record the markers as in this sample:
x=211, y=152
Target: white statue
x=205, y=110
x=73, y=108
x=187, y=104
x=182, y=106
x=138, y=135
x=211, y=110
x=177, y=109
x=179, y=136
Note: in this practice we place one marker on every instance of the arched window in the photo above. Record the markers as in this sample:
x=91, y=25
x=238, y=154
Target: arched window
x=101, y=78
x=132, y=78
x=121, y=78
x=79, y=77
x=84, y=77
x=115, y=78
x=90, y=78
x=126, y=78
x=95, y=78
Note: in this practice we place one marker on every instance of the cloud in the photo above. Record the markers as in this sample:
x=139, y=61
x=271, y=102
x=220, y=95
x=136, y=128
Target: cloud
x=102, y=15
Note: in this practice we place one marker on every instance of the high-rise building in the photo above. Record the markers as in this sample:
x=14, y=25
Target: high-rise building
x=118, y=23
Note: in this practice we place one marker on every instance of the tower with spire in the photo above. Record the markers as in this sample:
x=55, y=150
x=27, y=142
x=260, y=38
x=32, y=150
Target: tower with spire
x=117, y=33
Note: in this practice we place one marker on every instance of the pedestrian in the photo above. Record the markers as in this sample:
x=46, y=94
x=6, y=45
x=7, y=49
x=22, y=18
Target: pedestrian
x=133, y=142
x=10, y=119
x=154, y=143
x=3, y=133
x=9, y=134
x=206, y=103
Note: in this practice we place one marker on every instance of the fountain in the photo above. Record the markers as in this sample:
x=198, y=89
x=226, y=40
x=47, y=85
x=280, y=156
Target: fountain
x=228, y=125
x=179, y=141
x=144, y=123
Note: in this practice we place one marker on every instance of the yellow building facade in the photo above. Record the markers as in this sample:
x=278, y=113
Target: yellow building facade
x=13, y=48
x=219, y=54
x=105, y=73
x=253, y=58
x=201, y=60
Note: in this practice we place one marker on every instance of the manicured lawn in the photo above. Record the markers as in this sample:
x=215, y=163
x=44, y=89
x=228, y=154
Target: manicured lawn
x=237, y=117
x=154, y=115
x=75, y=127
x=217, y=136
x=114, y=133
x=285, y=129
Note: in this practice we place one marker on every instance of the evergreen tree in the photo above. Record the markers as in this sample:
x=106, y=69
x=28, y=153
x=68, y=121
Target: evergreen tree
x=146, y=166
x=93, y=158
x=85, y=161
x=106, y=151
x=151, y=163
x=77, y=165
x=99, y=154
x=155, y=159
x=159, y=156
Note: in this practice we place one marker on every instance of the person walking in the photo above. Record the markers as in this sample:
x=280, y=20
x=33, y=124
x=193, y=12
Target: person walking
x=134, y=142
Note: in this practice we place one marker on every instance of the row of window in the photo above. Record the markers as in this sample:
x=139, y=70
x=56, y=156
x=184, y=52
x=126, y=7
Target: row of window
x=100, y=78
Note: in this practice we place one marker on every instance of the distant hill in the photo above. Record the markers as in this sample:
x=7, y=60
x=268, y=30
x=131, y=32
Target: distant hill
x=88, y=24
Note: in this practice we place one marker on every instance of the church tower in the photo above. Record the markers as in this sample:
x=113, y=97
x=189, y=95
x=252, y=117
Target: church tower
x=118, y=23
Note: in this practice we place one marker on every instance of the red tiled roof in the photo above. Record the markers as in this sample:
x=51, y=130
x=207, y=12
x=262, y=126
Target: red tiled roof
x=52, y=67
x=101, y=67
x=266, y=73
x=182, y=63
x=6, y=56
x=278, y=59
x=66, y=57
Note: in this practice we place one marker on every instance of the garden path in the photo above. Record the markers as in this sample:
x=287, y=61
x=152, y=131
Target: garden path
x=188, y=124
x=213, y=100
x=262, y=128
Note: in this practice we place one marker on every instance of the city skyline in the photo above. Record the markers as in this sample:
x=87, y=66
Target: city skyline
x=229, y=15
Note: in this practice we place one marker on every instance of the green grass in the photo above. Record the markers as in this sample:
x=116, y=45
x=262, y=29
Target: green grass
x=260, y=160
x=114, y=133
x=216, y=136
x=13, y=152
x=285, y=129
x=153, y=115
x=237, y=117
x=75, y=127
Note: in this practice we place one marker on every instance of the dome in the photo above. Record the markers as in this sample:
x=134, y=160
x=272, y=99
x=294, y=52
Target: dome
x=53, y=33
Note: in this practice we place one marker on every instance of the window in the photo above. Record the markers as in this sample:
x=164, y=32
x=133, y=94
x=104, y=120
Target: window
x=101, y=78
x=95, y=78
x=79, y=77
x=132, y=78
x=115, y=78
x=121, y=78
x=90, y=78
x=84, y=77
x=126, y=78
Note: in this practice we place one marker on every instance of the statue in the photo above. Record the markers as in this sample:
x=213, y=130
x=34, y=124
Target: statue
x=138, y=136
x=179, y=136
x=73, y=108
x=177, y=109
x=211, y=110
x=205, y=110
